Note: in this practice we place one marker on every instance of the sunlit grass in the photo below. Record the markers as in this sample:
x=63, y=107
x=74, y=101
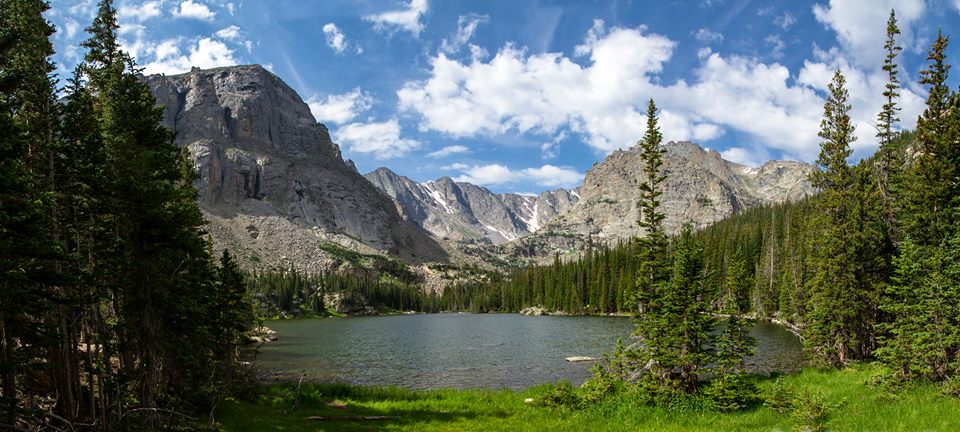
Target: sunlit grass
x=285, y=408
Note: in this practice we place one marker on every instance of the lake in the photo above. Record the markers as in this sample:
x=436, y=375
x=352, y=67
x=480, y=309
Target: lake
x=466, y=350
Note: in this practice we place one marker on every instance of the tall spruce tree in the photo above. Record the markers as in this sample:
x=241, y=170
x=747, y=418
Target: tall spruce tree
x=930, y=185
x=887, y=163
x=676, y=327
x=835, y=332
x=653, y=243
x=923, y=338
x=28, y=103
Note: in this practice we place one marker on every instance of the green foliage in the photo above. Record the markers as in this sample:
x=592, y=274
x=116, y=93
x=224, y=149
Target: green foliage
x=732, y=392
x=781, y=397
x=810, y=411
x=560, y=395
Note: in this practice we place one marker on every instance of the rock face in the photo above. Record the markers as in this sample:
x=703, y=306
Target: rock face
x=701, y=188
x=465, y=212
x=273, y=185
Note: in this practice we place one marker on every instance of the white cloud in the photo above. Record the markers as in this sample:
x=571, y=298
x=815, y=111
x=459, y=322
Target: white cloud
x=335, y=38
x=546, y=93
x=447, y=151
x=497, y=174
x=229, y=33
x=406, y=19
x=706, y=36
x=456, y=166
x=750, y=157
x=860, y=25
x=785, y=20
x=776, y=46
x=381, y=139
x=141, y=13
x=340, y=109
x=466, y=27
x=193, y=10
x=205, y=53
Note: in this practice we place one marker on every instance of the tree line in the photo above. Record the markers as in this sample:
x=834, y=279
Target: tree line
x=114, y=314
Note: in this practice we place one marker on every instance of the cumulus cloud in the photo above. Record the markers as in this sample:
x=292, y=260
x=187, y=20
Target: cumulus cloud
x=230, y=33
x=447, y=151
x=603, y=98
x=497, y=174
x=169, y=57
x=706, y=36
x=335, y=38
x=407, y=19
x=139, y=13
x=381, y=139
x=545, y=93
x=341, y=108
x=860, y=25
x=466, y=27
x=193, y=10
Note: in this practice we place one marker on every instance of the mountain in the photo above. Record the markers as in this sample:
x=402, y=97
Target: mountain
x=461, y=211
x=273, y=186
x=701, y=188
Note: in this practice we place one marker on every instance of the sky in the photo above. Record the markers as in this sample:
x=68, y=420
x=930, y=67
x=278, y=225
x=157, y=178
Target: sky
x=525, y=96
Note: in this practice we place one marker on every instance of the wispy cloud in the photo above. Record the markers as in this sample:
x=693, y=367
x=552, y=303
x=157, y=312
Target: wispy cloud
x=407, y=19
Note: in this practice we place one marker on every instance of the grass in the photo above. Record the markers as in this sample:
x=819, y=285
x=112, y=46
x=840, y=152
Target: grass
x=920, y=407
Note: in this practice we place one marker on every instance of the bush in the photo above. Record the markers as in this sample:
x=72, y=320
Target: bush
x=598, y=387
x=781, y=397
x=561, y=395
x=951, y=387
x=810, y=411
x=732, y=392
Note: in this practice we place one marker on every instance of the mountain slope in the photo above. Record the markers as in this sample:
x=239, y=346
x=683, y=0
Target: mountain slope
x=465, y=212
x=701, y=188
x=273, y=185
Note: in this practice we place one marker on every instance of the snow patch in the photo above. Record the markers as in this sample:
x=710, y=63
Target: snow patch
x=438, y=198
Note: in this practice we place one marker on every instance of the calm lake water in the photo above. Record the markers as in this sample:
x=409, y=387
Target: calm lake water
x=466, y=350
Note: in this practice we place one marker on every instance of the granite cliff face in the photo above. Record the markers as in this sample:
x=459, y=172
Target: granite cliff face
x=460, y=211
x=273, y=185
x=701, y=188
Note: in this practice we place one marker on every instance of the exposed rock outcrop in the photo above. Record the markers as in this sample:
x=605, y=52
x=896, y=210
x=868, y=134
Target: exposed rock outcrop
x=273, y=185
x=701, y=188
x=462, y=211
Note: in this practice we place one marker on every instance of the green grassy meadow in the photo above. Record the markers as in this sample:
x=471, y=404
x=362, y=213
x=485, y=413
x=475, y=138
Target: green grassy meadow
x=856, y=406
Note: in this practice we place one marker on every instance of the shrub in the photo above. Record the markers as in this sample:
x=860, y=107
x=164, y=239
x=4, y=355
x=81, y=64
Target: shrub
x=781, y=397
x=598, y=387
x=561, y=395
x=732, y=392
x=951, y=387
x=810, y=411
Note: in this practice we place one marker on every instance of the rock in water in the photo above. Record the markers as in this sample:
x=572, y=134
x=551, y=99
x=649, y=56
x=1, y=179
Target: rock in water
x=580, y=359
x=273, y=185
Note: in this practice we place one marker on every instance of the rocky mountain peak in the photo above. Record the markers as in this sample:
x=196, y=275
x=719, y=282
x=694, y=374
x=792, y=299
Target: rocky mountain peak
x=273, y=185
x=460, y=211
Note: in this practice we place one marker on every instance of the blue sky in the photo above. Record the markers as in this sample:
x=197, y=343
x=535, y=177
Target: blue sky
x=524, y=96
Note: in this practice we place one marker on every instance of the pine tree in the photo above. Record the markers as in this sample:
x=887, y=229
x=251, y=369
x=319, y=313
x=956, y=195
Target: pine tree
x=676, y=328
x=730, y=388
x=887, y=163
x=653, y=244
x=930, y=185
x=836, y=331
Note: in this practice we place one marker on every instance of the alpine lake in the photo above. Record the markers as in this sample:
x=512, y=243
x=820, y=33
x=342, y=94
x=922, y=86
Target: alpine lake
x=458, y=350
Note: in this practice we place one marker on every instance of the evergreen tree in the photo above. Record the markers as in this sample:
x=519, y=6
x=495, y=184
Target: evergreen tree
x=887, y=163
x=836, y=331
x=676, y=328
x=730, y=388
x=930, y=183
x=653, y=244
